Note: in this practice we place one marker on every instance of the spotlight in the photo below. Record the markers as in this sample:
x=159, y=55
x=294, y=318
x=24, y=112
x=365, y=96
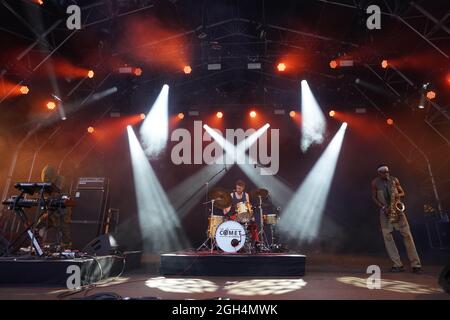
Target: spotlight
x=24, y=90
x=181, y=115
x=90, y=130
x=142, y=116
x=90, y=74
x=253, y=114
x=333, y=64
x=332, y=113
x=390, y=121
x=292, y=114
x=313, y=120
x=281, y=67
x=137, y=72
x=431, y=94
x=155, y=128
x=384, y=64
x=51, y=105
x=187, y=69
x=219, y=115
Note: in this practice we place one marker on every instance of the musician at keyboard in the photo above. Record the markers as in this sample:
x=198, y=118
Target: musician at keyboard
x=57, y=219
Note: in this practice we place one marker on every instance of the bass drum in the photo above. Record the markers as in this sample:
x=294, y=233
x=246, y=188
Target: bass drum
x=230, y=236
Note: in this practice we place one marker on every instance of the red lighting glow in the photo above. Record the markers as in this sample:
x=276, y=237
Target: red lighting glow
x=431, y=94
x=51, y=105
x=24, y=90
x=281, y=67
x=333, y=64
x=219, y=115
x=137, y=72
x=90, y=130
x=253, y=114
x=187, y=69
x=390, y=121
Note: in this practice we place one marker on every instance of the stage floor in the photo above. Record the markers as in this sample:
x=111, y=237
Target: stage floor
x=327, y=277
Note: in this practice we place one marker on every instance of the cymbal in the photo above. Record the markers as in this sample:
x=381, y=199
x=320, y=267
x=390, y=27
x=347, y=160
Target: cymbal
x=221, y=197
x=260, y=192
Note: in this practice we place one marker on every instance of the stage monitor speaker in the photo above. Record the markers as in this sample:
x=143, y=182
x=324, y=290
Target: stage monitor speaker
x=89, y=214
x=102, y=245
x=444, y=279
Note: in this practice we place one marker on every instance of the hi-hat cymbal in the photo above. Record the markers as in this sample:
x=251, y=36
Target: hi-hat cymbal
x=221, y=197
x=263, y=193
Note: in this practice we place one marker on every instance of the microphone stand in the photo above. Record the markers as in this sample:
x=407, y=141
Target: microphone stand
x=210, y=237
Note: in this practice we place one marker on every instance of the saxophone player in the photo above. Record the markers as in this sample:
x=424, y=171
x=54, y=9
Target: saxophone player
x=386, y=193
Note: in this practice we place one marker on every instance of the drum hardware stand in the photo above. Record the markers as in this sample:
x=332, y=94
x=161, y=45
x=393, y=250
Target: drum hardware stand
x=210, y=236
x=262, y=235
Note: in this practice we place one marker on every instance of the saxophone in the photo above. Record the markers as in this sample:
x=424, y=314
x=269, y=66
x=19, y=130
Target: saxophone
x=396, y=208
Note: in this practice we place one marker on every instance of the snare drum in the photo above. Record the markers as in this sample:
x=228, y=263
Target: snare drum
x=270, y=219
x=244, y=212
x=213, y=222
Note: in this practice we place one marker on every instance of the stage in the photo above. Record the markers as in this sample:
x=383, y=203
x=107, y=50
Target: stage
x=328, y=277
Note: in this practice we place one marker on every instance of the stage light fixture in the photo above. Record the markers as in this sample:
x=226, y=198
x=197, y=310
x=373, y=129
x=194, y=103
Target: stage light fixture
x=333, y=64
x=252, y=114
x=24, y=90
x=180, y=115
x=214, y=66
x=90, y=130
x=219, y=115
x=253, y=66
x=90, y=74
x=137, y=72
x=187, y=69
x=155, y=128
x=390, y=121
x=281, y=66
x=292, y=114
x=431, y=94
x=313, y=120
x=142, y=116
x=332, y=113
x=51, y=105
x=384, y=64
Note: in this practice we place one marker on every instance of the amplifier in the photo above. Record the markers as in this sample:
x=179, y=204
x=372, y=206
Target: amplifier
x=89, y=215
x=92, y=183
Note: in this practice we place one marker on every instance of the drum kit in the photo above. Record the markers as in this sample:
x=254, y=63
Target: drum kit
x=237, y=233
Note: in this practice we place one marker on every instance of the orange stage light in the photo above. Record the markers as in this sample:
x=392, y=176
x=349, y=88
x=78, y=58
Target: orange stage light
x=431, y=94
x=252, y=114
x=137, y=72
x=187, y=69
x=181, y=115
x=90, y=74
x=384, y=64
x=390, y=121
x=219, y=115
x=90, y=130
x=24, y=90
x=51, y=105
x=332, y=113
x=292, y=114
x=142, y=116
x=333, y=64
x=281, y=67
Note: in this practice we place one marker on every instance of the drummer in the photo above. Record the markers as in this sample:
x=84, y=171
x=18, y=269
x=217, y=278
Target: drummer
x=237, y=196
